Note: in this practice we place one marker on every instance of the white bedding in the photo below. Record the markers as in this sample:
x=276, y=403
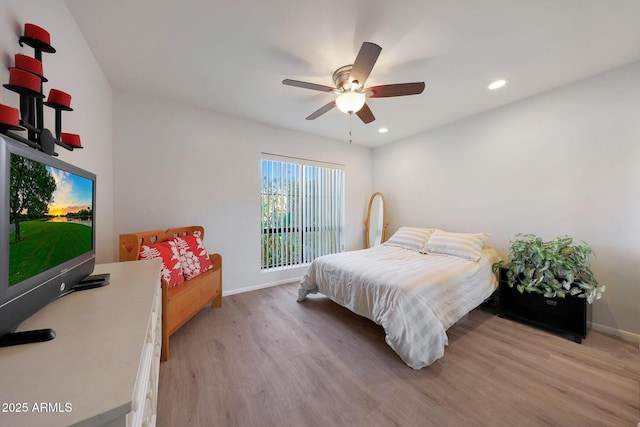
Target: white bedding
x=415, y=297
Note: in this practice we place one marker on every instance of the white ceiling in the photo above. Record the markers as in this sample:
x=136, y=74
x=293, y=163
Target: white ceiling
x=232, y=55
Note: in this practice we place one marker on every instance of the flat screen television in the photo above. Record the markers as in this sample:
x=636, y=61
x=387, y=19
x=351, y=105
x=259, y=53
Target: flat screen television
x=47, y=232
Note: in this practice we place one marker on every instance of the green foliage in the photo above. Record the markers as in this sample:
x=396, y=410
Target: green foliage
x=554, y=269
x=32, y=188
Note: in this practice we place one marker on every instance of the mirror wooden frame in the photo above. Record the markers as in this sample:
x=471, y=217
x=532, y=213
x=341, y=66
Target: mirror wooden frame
x=384, y=224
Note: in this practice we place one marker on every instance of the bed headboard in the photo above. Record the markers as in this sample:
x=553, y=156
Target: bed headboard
x=130, y=243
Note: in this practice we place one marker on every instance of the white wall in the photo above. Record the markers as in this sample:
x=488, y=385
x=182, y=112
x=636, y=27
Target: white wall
x=74, y=70
x=562, y=163
x=177, y=165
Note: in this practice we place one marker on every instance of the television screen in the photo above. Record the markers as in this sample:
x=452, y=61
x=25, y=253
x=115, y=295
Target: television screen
x=47, y=231
x=51, y=212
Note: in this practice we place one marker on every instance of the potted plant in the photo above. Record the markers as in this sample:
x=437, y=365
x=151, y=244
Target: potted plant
x=539, y=277
x=554, y=269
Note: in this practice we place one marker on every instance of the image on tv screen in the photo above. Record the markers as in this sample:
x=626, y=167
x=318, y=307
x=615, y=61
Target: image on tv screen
x=50, y=218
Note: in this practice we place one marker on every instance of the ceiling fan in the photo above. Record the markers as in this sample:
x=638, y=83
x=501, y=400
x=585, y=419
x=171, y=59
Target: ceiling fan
x=349, y=86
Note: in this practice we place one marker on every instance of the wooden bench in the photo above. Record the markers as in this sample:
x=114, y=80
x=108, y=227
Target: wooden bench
x=181, y=302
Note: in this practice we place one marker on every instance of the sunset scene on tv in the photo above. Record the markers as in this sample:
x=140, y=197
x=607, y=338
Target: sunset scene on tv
x=50, y=219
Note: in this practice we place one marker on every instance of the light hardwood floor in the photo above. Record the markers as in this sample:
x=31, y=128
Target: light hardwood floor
x=265, y=360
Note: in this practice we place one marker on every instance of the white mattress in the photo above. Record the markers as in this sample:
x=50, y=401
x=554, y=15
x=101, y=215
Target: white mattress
x=413, y=296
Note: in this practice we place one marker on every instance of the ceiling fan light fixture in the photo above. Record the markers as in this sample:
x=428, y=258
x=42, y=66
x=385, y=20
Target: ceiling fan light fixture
x=350, y=102
x=349, y=86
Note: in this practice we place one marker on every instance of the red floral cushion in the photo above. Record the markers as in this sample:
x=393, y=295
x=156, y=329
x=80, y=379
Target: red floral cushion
x=171, y=270
x=193, y=255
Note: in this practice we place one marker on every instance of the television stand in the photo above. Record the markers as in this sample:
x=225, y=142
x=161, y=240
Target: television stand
x=27, y=337
x=90, y=282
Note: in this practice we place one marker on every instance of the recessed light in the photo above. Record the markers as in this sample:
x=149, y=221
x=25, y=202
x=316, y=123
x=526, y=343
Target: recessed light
x=497, y=84
x=383, y=130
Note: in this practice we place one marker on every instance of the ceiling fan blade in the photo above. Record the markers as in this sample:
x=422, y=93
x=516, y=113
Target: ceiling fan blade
x=366, y=59
x=306, y=85
x=400, y=89
x=320, y=111
x=365, y=114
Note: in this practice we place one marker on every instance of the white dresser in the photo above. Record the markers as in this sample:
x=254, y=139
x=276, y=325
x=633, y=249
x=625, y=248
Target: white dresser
x=102, y=368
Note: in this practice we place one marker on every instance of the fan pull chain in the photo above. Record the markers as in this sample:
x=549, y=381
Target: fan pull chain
x=350, y=116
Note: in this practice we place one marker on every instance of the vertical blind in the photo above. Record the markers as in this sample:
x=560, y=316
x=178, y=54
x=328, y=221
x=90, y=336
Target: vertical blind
x=302, y=212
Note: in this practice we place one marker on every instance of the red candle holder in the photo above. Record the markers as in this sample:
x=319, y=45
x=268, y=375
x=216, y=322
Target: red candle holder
x=60, y=101
x=71, y=139
x=29, y=86
x=24, y=82
x=38, y=38
x=26, y=79
x=9, y=118
x=30, y=64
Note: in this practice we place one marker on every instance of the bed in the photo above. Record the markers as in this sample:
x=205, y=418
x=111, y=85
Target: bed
x=416, y=286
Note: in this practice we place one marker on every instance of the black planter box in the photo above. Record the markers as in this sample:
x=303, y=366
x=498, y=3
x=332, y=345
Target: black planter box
x=569, y=316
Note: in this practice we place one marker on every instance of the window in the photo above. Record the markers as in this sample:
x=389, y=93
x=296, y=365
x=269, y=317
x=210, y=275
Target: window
x=302, y=211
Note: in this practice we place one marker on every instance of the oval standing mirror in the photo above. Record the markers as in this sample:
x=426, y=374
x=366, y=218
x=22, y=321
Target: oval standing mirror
x=376, y=223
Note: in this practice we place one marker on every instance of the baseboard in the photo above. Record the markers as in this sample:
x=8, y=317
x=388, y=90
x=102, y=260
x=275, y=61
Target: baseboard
x=625, y=335
x=260, y=286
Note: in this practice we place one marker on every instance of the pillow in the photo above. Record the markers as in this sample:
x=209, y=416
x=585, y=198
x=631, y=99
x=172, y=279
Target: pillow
x=171, y=270
x=412, y=238
x=193, y=255
x=461, y=245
